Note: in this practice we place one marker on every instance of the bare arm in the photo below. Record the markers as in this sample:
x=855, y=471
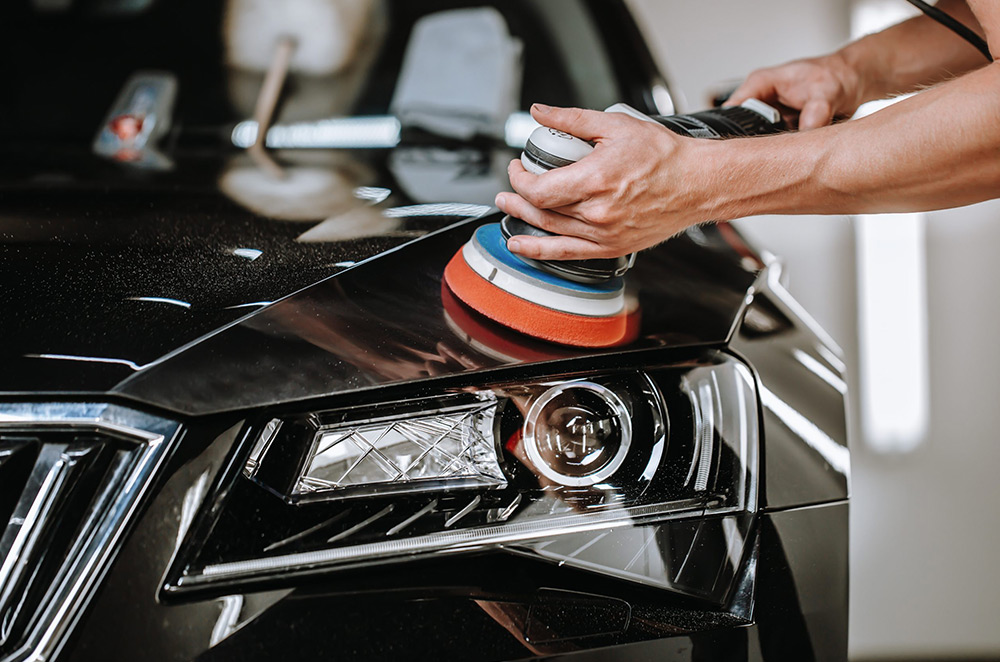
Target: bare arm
x=900, y=59
x=935, y=150
x=643, y=184
x=914, y=53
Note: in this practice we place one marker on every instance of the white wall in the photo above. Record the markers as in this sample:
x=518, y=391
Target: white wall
x=924, y=526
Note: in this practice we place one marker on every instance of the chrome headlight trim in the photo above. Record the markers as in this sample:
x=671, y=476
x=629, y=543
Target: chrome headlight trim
x=532, y=442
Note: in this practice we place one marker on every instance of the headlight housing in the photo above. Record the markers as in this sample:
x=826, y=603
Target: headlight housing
x=620, y=472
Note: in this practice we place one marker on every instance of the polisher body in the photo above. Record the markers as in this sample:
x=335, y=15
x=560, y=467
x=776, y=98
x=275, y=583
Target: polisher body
x=574, y=302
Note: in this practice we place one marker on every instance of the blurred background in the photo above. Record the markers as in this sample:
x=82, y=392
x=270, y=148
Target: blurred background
x=911, y=300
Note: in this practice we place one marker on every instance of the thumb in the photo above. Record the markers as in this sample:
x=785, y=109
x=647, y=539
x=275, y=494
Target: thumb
x=584, y=124
x=758, y=86
x=816, y=113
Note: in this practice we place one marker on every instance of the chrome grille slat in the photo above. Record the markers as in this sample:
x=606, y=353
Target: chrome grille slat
x=26, y=525
x=16, y=462
x=93, y=463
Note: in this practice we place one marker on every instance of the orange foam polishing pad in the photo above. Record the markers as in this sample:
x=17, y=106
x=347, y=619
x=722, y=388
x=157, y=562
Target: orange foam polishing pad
x=530, y=318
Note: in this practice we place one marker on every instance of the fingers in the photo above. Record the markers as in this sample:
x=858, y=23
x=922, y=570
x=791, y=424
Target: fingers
x=557, y=188
x=545, y=219
x=585, y=124
x=574, y=241
x=758, y=85
x=556, y=248
x=815, y=114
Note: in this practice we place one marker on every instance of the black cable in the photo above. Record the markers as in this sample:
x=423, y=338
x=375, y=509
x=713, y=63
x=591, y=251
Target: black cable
x=955, y=26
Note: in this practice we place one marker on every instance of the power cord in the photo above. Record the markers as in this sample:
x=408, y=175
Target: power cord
x=962, y=30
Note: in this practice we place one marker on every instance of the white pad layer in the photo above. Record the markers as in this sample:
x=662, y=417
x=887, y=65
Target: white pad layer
x=538, y=294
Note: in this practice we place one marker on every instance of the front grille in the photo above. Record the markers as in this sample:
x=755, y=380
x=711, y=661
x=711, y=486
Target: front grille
x=70, y=477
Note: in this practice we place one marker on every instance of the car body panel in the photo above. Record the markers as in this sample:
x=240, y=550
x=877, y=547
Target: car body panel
x=388, y=321
x=802, y=392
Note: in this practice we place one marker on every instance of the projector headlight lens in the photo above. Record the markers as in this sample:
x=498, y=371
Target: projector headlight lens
x=578, y=433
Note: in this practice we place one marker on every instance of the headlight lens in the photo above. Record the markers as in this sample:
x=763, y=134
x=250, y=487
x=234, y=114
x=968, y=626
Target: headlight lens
x=406, y=452
x=577, y=433
x=580, y=471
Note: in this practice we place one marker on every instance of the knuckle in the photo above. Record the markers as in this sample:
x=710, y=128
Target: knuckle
x=531, y=194
x=539, y=198
x=620, y=121
x=575, y=114
x=604, y=211
x=597, y=181
x=518, y=181
x=562, y=253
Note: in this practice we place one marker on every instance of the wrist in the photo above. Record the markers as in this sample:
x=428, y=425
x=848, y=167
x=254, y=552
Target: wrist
x=763, y=175
x=722, y=186
x=863, y=70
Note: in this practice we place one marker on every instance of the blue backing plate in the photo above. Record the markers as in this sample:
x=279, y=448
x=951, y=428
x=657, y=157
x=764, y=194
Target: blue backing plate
x=491, y=239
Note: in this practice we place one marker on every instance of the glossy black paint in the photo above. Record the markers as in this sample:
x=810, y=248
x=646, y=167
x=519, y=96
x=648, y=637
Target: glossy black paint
x=74, y=270
x=802, y=393
x=388, y=321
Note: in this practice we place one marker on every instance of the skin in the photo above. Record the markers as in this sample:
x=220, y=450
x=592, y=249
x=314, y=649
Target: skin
x=643, y=184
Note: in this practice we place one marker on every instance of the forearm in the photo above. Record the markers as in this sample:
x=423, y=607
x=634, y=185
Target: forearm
x=912, y=54
x=938, y=149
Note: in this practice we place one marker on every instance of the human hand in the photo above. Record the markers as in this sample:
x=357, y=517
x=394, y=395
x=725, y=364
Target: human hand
x=810, y=93
x=641, y=185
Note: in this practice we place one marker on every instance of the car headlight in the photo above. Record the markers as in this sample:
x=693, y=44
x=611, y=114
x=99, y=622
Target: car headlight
x=620, y=472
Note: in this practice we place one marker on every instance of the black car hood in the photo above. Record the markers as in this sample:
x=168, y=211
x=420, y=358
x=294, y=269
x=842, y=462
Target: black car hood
x=150, y=299
x=96, y=285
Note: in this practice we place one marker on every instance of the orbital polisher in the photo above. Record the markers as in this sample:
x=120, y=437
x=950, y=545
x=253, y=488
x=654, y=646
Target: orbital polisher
x=574, y=302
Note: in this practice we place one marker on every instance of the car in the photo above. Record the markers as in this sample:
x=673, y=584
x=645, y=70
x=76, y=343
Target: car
x=243, y=418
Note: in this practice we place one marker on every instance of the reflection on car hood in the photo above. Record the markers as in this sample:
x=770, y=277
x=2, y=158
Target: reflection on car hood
x=169, y=298
x=95, y=290
x=390, y=320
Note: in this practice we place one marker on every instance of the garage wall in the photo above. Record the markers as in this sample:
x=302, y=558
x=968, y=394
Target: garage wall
x=924, y=525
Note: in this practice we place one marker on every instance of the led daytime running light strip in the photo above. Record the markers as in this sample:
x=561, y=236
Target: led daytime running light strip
x=454, y=541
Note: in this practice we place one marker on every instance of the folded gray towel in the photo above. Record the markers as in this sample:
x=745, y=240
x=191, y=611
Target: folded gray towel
x=461, y=74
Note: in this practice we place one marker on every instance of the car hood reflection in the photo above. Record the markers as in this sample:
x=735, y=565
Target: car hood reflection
x=387, y=321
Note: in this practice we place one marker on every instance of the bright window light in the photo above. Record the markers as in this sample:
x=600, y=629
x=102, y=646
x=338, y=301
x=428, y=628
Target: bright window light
x=892, y=298
x=334, y=133
x=892, y=316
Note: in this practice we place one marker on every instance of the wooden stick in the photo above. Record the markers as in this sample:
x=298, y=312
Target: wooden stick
x=267, y=101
